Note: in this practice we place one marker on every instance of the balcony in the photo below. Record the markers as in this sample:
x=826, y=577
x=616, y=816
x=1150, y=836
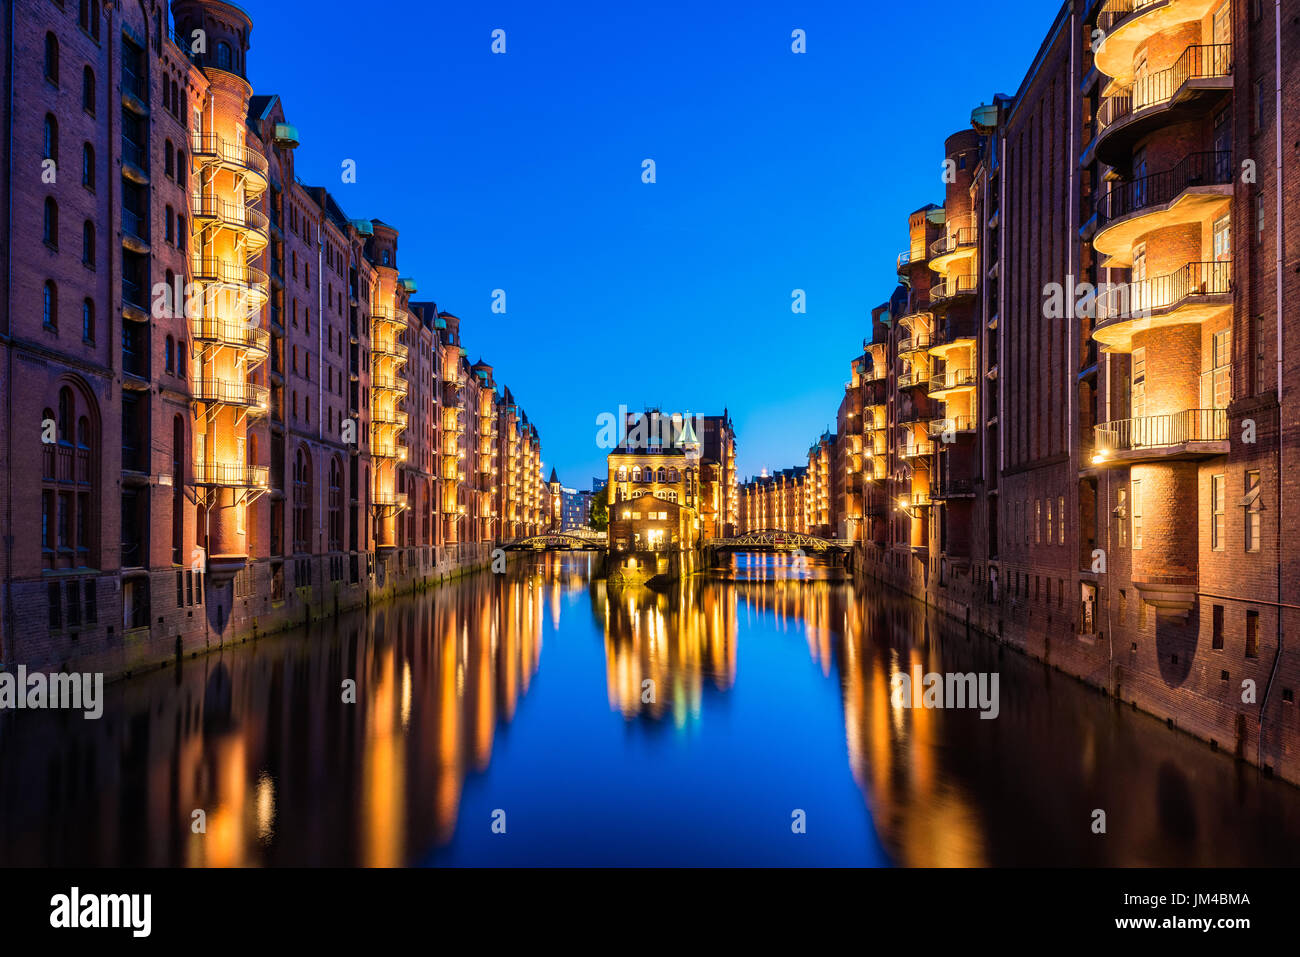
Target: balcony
x=390, y=350
x=135, y=231
x=1128, y=24
x=914, y=380
x=1190, y=434
x=233, y=334
x=917, y=342
x=954, y=287
x=245, y=160
x=956, y=424
x=388, y=383
x=953, y=380
x=1195, y=293
x=1198, y=188
x=247, y=395
x=1203, y=74
x=959, y=245
x=386, y=500
x=216, y=474
x=135, y=162
x=388, y=449
x=389, y=419
x=916, y=450
x=248, y=280
x=250, y=223
x=383, y=318
x=909, y=258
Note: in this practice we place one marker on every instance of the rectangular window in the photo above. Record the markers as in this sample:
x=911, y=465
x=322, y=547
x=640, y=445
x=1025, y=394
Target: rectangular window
x=74, y=606
x=1060, y=510
x=1218, y=511
x=1217, y=641
x=1121, y=507
x=1223, y=239
x=1137, y=513
x=1252, y=634
x=1261, y=375
x=1259, y=219
x=1261, y=104
x=1049, y=521
x=1138, y=378
x=1038, y=522
x=56, y=607
x=1253, y=507
x=92, y=609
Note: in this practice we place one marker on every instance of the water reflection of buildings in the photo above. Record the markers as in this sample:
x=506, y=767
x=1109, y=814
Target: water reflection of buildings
x=677, y=641
x=256, y=734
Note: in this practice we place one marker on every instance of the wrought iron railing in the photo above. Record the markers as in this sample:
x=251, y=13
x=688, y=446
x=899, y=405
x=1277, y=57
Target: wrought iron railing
x=235, y=476
x=1158, y=431
x=1137, y=300
x=1156, y=189
x=1201, y=62
x=964, y=238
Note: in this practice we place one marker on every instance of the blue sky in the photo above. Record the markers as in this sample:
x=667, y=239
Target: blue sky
x=522, y=172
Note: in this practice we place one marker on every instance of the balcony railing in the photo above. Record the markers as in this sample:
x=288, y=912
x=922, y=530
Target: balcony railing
x=917, y=449
x=220, y=270
x=244, y=157
x=1202, y=62
x=1132, y=196
x=393, y=419
x=953, y=379
x=918, y=342
x=956, y=423
x=134, y=224
x=387, y=499
x=136, y=85
x=389, y=383
x=1138, y=300
x=1158, y=431
x=388, y=449
x=963, y=238
x=1114, y=12
x=231, y=333
x=135, y=154
x=231, y=476
x=954, y=286
x=909, y=380
x=230, y=213
x=230, y=392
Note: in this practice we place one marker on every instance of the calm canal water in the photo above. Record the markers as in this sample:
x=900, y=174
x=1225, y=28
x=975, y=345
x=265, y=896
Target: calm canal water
x=523, y=698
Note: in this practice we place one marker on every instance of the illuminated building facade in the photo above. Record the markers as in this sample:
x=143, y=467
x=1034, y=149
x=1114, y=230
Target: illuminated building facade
x=239, y=417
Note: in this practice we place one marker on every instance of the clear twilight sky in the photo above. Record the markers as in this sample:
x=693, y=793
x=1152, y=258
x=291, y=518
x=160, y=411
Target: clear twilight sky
x=522, y=172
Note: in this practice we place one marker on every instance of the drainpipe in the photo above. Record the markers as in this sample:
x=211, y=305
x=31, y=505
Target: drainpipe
x=9, y=348
x=320, y=365
x=1280, y=246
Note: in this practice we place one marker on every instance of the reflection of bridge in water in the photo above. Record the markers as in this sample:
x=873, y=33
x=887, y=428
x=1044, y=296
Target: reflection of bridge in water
x=775, y=540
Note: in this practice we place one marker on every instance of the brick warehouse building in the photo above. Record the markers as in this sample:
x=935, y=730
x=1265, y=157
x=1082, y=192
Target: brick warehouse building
x=1077, y=414
x=295, y=433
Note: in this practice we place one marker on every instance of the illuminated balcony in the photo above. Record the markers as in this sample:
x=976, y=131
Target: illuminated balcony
x=248, y=281
x=255, y=398
x=1202, y=75
x=957, y=424
x=917, y=342
x=914, y=380
x=385, y=499
x=249, y=223
x=390, y=350
x=383, y=319
x=954, y=287
x=219, y=475
x=960, y=245
x=911, y=257
x=916, y=450
x=1127, y=25
x=208, y=148
x=230, y=333
x=953, y=380
x=388, y=449
x=1190, y=434
x=1197, y=292
x=384, y=418
x=383, y=382
x=1198, y=188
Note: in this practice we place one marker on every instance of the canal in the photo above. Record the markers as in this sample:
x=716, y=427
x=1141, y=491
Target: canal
x=537, y=717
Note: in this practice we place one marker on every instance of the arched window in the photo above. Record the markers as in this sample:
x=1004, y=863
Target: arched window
x=302, y=501
x=157, y=30
x=176, y=100
x=168, y=305
x=622, y=473
x=50, y=305
x=88, y=244
x=180, y=167
x=51, y=223
x=169, y=354
x=88, y=17
x=673, y=475
x=169, y=156
x=88, y=320
x=51, y=58
x=223, y=55
x=181, y=365
x=88, y=90
x=636, y=473
x=51, y=140
x=663, y=474
x=69, y=531
x=336, y=505
x=88, y=166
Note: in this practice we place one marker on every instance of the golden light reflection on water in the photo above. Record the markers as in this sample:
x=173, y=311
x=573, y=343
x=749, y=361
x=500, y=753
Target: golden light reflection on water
x=256, y=737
